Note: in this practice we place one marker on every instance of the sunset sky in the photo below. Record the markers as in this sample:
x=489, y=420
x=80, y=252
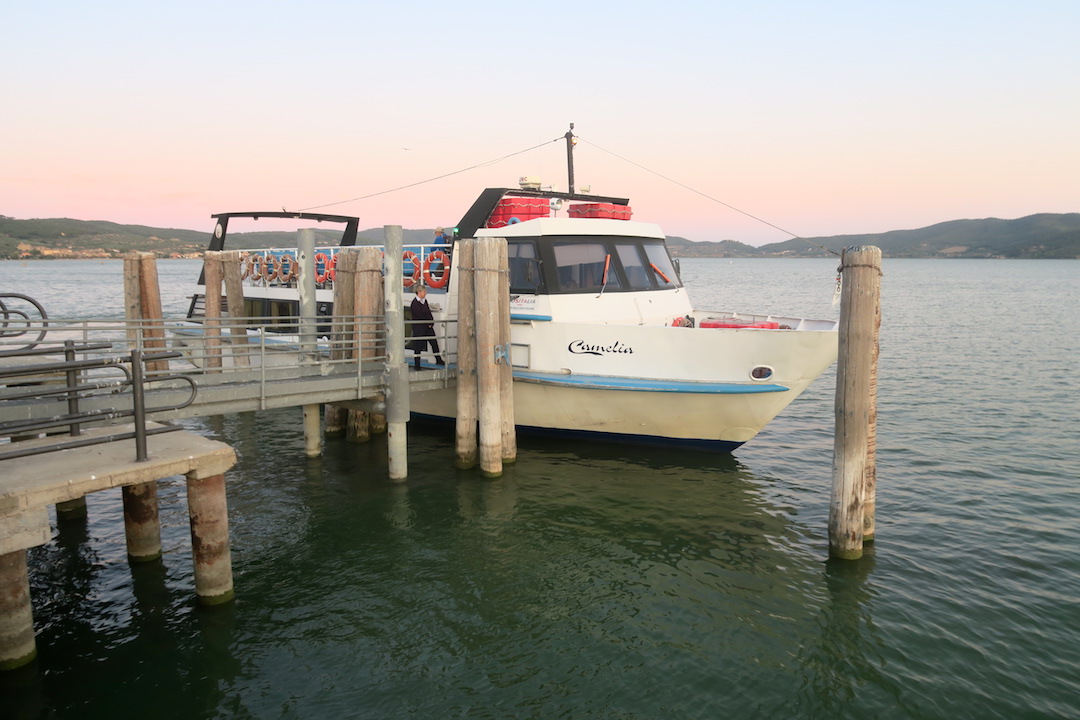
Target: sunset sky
x=821, y=118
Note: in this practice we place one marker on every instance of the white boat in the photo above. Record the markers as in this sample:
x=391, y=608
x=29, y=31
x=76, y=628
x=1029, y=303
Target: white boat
x=605, y=342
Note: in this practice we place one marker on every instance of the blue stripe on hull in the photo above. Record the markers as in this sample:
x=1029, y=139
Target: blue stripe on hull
x=602, y=382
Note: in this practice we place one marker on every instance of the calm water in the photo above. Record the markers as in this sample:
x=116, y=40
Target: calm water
x=611, y=582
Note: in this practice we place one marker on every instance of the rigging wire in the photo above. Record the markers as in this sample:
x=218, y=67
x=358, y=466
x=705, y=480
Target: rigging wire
x=438, y=177
x=709, y=197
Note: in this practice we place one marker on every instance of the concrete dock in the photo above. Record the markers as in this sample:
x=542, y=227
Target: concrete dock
x=28, y=485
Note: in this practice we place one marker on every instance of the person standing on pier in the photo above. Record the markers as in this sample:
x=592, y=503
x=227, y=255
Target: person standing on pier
x=423, y=328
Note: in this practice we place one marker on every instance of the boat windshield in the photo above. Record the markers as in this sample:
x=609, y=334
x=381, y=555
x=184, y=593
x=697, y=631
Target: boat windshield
x=564, y=264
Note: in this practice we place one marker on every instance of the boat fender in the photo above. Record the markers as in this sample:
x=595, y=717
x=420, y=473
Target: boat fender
x=407, y=280
x=442, y=269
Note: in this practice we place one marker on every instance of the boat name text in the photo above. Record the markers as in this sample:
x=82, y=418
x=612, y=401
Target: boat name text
x=580, y=347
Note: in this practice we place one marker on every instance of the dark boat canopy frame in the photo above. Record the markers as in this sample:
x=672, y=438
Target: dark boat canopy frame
x=477, y=216
x=217, y=241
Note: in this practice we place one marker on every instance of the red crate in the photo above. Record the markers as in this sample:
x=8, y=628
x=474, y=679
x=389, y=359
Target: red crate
x=610, y=211
x=520, y=208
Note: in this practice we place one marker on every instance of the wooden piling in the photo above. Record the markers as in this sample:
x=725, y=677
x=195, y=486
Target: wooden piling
x=209, y=515
x=506, y=368
x=336, y=417
x=370, y=329
x=859, y=300
x=232, y=272
x=17, y=646
x=142, y=301
x=486, y=309
x=464, y=270
x=153, y=318
x=212, y=275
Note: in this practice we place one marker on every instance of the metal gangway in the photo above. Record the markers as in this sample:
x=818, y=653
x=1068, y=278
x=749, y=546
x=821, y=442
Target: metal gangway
x=184, y=369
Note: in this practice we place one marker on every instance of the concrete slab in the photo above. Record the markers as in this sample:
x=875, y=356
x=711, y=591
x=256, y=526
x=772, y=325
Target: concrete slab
x=40, y=480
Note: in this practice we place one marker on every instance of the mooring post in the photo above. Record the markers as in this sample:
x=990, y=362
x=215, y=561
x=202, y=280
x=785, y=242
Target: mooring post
x=212, y=276
x=232, y=271
x=397, y=379
x=860, y=269
x=209, y=515
x=335, y=417
x=506, y=367
x=870, y=501
x=309, y=330
x=487, y=341
x=17, y=646
x=142, y=525
x=464, y=269
x=370, y=329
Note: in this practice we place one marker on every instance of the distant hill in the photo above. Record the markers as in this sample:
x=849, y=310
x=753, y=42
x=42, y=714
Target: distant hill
x=65, y=238
x=1045, y=235
x=1036, y=236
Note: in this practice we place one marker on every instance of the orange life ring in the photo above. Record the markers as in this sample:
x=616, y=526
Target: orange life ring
x=273, y=267
x=245, y=264
x=257, y=262
x=415, y=260
x=286, y=277
x=320, y=277
x=444, y=259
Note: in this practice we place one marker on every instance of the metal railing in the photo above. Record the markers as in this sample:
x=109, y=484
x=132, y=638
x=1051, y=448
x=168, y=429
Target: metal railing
x=18, y=314
x=86, y=370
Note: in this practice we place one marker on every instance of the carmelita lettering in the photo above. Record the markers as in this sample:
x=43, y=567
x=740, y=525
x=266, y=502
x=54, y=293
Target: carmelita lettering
x=580, y=347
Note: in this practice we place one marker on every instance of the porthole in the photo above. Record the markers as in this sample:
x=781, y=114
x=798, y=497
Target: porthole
x=761, y=372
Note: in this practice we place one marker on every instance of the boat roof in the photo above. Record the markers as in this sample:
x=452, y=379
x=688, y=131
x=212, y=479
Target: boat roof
x=348, y=238
x=477, y=215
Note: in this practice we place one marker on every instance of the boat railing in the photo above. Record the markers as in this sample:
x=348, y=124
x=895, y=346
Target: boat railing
x=428, y=263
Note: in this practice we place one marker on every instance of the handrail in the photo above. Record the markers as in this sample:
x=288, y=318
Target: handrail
x=74, y=388
x=7, y=313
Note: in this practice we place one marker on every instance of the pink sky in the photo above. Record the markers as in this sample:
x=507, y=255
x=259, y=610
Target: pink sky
x=845, y=118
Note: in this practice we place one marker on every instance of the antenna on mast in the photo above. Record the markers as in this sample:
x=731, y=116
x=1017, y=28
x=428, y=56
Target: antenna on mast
x=570, y=142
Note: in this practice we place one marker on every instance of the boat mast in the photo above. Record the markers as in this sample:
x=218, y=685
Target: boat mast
x=570, y=155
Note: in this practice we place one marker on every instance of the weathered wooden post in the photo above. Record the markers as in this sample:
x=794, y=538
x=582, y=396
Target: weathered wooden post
x=212, y=275
x=142, y=524
x=234, y=301
x=335, y=417
x=486, y=281
x=397, y=379
x=506, y=368
x=369, y=307
x=309, y=330
x=860, y=268
x=464, y=270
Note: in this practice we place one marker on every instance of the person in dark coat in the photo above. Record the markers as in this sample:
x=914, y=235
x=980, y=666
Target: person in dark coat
x=423, y=328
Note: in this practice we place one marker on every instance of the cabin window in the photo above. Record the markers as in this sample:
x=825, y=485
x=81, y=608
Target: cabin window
x=633, y=266
x=580, y=266
x=524, y=267
x=661, y=267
